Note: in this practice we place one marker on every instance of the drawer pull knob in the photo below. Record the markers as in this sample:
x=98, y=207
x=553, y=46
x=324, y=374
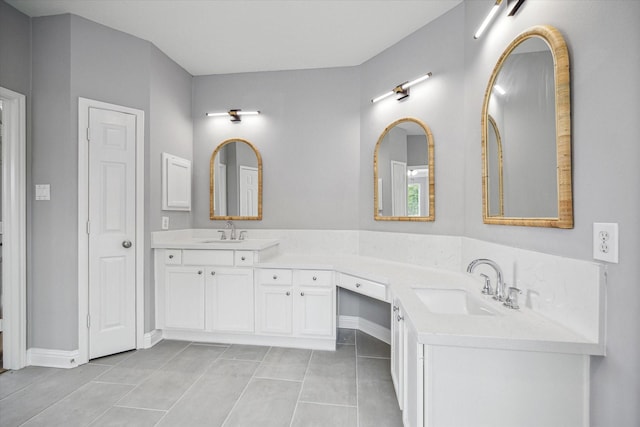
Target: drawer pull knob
x=400, y=318
x=301, y=294
x=199, y=271
x=275, y=277
x=358, y=285
x=395, y=308
x=288, y=293
x=242, y=258
x=170, y=256
x=315, y=278
x=213, y=273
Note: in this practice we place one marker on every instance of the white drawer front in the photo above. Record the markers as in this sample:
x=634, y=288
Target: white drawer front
x=207, y=257
x=273, y=276
x=363, y=286
x=244, y=258
x=313, y=277
x=173, y=256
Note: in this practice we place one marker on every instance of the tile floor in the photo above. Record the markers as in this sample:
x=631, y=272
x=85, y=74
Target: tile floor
x=193, y=384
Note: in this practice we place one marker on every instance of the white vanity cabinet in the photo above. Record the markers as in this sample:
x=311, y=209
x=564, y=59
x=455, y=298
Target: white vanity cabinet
x=203, y=290
x=296, y=303
x=397, y=350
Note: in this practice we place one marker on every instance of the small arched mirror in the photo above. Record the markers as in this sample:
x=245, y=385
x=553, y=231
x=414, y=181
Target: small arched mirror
x=403, y=173
x=526, y=134
x=235, y=181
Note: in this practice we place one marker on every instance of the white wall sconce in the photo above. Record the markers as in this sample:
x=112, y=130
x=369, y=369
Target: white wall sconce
x=235, y=114
x=512, y=9
x=402, y=90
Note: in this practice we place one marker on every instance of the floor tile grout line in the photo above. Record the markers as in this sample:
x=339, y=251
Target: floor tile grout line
x=29, y=384
x=295, y=409
x=187, y=389
x=141, y=409
x=328, y=404
x=355, y=344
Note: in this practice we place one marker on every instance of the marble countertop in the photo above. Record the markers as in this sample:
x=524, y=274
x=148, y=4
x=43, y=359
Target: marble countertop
x=211, y=240
x=522, y=329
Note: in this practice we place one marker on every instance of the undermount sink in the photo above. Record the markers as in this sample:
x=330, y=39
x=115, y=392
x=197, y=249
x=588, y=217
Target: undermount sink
x=452, y=301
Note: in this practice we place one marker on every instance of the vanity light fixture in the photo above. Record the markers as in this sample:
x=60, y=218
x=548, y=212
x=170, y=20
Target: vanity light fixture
x=235, y=114
x=512, y=9
x=402, y=90
x=488, y=19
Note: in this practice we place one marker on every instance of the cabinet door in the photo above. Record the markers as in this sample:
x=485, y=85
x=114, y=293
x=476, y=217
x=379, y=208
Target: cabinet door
x=184, y=298
x=274, y=306
x=230, y=299
x=314, y=311
x=397, y=352
x=413, y=413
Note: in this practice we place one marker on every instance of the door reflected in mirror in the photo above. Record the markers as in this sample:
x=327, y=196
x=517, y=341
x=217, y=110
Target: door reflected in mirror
x=235, y=190
x=526, y=134
x=403, y=172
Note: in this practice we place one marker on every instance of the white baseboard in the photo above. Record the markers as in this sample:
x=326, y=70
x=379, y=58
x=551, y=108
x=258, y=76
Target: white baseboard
x=366, y=326
x=152, y=338
x=52, y=358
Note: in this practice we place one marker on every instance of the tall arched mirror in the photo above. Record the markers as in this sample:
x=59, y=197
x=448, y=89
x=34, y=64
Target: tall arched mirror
x=235, y=181
x=526, y=134
x=403, y=173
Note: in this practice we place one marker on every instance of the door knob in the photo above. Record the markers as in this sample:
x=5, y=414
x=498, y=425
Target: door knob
x=126, y=244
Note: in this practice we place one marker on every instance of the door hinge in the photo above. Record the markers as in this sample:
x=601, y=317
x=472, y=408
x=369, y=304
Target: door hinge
x=88, y=134
x=88, y=227
x=88, y=321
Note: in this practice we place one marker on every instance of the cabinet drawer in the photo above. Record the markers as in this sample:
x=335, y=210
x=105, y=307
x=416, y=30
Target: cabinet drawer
x=207, y=257
x=244, y=258
x=173, y=256
x=313, y=277
x=276, y=277
x=363, y=286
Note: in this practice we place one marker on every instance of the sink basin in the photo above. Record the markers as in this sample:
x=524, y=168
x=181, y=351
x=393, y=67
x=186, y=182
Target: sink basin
x=452, y=301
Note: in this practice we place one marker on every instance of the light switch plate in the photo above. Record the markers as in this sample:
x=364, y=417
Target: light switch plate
x=165, y=222
x=605, y=241
x=43, y=192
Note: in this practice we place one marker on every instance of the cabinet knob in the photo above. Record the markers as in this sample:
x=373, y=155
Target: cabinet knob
x=213, y=273
x=242, y=258
x=170, y=256
x=275, y=277
x=400, y=318
x=395, y=308
x=288, y=293
x=301, y=294
x=315, y=278
x=199, y=271
x=358, y=285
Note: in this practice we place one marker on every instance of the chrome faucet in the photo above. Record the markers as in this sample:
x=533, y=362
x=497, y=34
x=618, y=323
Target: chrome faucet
x=231, y=225
x=499, y=295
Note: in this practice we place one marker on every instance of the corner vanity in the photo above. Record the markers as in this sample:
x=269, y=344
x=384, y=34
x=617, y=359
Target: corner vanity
x=458, y=357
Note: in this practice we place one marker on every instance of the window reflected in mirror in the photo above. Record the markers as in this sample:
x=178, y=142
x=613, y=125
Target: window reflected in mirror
x=403, y=173
x=235, y=190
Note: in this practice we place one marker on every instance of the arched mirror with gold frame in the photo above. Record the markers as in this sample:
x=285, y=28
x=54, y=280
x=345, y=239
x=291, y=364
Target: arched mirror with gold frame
x=527, y=115
x=403, y=172
x=235, y=181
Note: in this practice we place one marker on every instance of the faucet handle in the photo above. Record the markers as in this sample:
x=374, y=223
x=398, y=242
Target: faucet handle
x=486, y=289
x=223, y=235
x=512, y=298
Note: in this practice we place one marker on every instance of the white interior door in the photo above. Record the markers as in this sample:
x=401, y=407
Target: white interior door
x=112, y=233
x=398, y=188
x=248, y=191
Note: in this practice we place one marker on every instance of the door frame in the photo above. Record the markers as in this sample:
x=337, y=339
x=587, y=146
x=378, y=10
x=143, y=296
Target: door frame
x=14, y=217
x=83, y=217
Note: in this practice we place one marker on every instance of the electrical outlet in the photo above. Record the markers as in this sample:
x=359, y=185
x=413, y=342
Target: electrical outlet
x=605, y=241
x=165, y=222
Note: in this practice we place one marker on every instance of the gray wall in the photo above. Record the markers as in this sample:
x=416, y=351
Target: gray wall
x=15, y=50
x=307, y=134
x=74, y=57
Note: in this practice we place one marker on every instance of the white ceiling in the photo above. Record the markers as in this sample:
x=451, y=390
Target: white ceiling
x=232, y=36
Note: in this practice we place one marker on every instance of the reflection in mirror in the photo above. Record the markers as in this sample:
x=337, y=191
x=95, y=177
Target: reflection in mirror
x=403, y=173
x=235, y=187
x=526, y=134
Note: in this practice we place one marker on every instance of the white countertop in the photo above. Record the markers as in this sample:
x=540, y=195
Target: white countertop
x=510, y=329
x=187, y=240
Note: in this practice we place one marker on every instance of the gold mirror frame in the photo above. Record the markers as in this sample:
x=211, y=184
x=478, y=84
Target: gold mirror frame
x=496, y=132
x=430, y=160
x=560, y=53
x=212, y=183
